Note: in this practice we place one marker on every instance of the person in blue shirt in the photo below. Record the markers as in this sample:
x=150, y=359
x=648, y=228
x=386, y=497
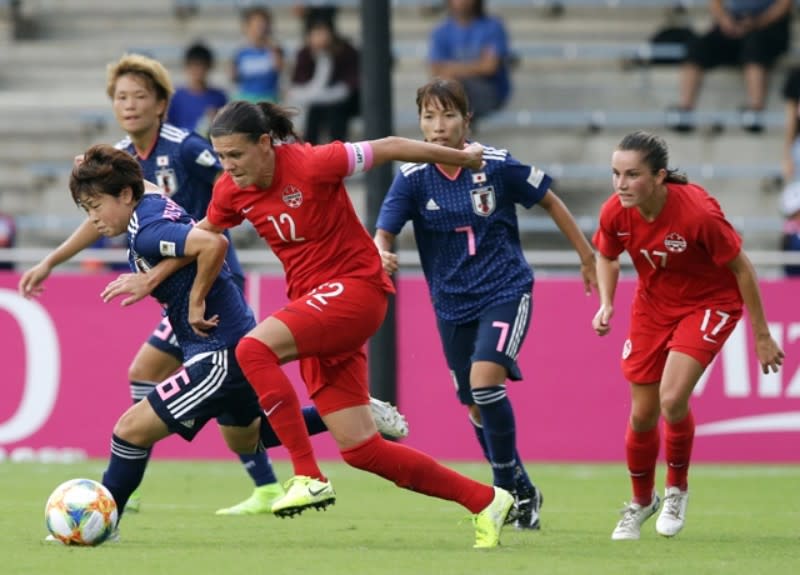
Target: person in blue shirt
x=467, y=234
x=195, y=104
x=184, y=166
x=473, y=47
x=256, y=67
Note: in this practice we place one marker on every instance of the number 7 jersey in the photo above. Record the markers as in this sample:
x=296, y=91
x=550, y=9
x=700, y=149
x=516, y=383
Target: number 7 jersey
x=681, y=256
x=306, y=216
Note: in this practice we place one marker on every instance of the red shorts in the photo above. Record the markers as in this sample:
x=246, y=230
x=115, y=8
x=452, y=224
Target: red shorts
x=699, y=334
x=330, y=326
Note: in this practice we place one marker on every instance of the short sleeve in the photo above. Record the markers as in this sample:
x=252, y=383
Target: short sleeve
x=438, y=50
x=220, y=212
x=528, y=184
x=398, y=205
x=162, y=239
x=605, y=238
x=328, y=162
x=719, y=237
x=497, y=39
x=199, y=158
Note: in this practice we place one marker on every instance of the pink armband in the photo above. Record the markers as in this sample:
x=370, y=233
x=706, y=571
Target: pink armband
x=359, y=157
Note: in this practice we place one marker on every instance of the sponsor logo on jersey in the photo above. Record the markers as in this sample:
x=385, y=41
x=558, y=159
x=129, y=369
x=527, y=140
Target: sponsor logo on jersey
x=292, y=196
x=675, y=243
x=206, y=158
x=166, y=248
x=432, y=206
x=483, y=200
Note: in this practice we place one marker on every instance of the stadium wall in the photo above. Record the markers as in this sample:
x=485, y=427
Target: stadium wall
x=65, y=358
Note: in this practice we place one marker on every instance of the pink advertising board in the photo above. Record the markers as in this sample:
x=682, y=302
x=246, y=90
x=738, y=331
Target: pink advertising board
x=65, y=359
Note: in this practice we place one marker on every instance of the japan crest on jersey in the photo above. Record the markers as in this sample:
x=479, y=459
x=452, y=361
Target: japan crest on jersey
x=292, y=196
x=483, y=200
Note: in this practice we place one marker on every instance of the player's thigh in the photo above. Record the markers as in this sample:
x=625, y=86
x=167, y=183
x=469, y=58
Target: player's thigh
x=159, y=356
x=644, y=352
x=458, y=344
x=199, y=391
x=350, y=426
x=141, y=425
x=336, y=317
x=501, y=333
x=239, y=417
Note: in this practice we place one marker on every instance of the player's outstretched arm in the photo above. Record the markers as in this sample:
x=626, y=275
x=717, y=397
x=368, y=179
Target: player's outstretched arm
x=770, y=355
x=30, y=284
x=563, y=218
x=209, y=248
x=394, y=148
x=384, y=241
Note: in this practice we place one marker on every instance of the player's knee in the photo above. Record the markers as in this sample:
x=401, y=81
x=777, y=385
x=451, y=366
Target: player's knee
x=129, y=428
x=673, y=407
x=250, y=350
x=240, y=439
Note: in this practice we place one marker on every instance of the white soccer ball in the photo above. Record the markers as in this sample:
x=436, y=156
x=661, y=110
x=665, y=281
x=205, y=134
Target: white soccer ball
x=81, y=512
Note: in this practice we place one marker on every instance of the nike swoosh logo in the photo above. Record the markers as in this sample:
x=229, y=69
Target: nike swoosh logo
x=246, y=210
x=620, y=234
x=709, y=339
x=785, y=422
x=317, y=492
x=269, y=411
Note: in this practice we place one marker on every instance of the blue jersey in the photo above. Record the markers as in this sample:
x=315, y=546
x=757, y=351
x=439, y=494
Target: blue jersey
x=184, y=166
x=467, y=230
x=158, y=229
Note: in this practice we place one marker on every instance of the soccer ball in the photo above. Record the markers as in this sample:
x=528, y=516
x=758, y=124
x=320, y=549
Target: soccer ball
x=81, y=512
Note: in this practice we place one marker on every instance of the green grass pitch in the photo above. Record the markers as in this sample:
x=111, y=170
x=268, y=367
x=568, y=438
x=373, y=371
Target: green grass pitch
x=741, y=520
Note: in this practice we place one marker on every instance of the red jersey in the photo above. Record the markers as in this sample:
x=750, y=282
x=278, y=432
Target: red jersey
x=680, y=257
x=305, y=216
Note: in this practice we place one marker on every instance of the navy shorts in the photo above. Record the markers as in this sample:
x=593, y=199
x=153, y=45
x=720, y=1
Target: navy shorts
x=495, y=336
x=163, y=339
x=210, y=385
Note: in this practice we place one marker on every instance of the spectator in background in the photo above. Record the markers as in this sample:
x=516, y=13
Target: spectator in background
x=326, y=83
x=194, y=105
x=790, y=208
x=472, y=47
x=257, y=66
x=8, y=236
x=751, y=34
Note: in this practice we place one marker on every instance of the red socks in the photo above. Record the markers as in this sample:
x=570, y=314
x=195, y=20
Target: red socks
x=279, y=401
x=641, y=450
x=678, y=440
x=414, y=470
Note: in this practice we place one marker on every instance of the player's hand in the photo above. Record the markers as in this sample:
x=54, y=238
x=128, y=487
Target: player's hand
x=601, y=322
x=197, y=319
x=135, y=286
x=389, y=261
x=770, y=355
x=30, y=284
x=474, y=153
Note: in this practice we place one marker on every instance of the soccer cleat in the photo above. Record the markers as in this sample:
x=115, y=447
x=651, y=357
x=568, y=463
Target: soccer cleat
x=673, y=514
x=489, y=522
x=303, y=492
x=390, y=422
x=629, y=527
x=134, y=503
x=528, y=503
x=260, y=501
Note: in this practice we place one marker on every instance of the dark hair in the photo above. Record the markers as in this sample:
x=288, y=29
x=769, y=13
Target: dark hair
x=478, y=9
x=106, y=170
x=449, y=93
x=254, y=120
x=654, y=153
x=262, y=11
x=199, y=52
